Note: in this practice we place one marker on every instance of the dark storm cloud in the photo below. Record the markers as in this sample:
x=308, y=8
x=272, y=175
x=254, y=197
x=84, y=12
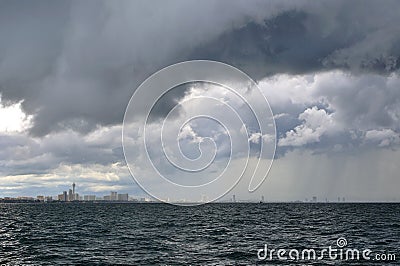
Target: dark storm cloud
x=76, y=64
x=32, y=36
x=300, y=41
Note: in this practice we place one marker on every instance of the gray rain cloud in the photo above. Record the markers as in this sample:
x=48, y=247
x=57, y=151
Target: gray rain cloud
x=75, y=64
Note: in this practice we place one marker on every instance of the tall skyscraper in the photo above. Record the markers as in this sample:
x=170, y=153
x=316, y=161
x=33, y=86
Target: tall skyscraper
x=70, y=195
x=73, y=189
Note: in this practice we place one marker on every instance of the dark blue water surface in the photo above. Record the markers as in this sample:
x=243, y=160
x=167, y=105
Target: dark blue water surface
x=213, y=234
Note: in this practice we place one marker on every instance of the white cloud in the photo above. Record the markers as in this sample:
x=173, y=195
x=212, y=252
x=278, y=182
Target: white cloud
x=338, y=105
x=188, y=132
x=13, y=118
x=255, y=137
x=277, y=116
x=284, y=89
x=317, y=122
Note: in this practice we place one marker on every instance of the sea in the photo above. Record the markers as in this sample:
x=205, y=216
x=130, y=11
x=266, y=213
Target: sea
x=211, y=234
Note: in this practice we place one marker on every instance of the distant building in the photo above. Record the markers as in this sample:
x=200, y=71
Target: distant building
x=314, y=199
x=60, y=197
x=262, y=198
x=122, y=197
x=70, y=195
x=108, y=198
x=25, y=198
x=234, y=198
x=48, y=199
x=89, y=197
x=65, y=196
x=113, y=195
x=40, y=198
x=144, y=200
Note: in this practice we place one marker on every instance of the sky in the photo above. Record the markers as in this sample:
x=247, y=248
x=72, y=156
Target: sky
x=329, y=70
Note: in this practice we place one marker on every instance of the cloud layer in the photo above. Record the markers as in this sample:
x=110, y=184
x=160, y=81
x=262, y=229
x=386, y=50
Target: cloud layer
x=67, y=60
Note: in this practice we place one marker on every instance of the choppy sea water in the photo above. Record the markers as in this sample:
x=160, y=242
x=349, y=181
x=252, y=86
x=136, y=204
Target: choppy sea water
x=213, y=234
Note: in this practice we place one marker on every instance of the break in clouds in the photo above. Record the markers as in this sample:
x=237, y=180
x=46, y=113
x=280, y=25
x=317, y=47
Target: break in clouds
x=330, y=71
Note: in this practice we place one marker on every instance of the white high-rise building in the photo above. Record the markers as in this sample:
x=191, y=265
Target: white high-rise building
x=122, y=197
x=70, y=195
x=113, y=195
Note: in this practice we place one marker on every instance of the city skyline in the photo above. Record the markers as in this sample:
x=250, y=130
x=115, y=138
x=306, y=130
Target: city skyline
x=73, y=196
